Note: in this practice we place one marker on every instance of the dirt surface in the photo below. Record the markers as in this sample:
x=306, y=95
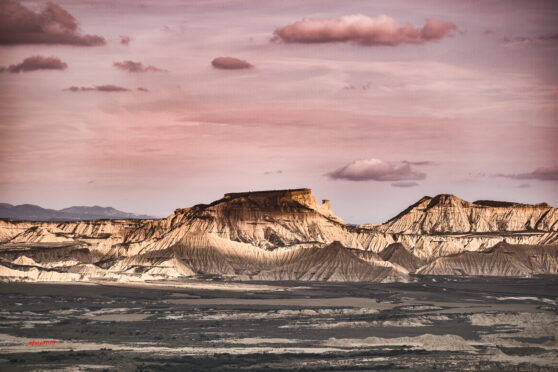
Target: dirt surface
x=444, y=323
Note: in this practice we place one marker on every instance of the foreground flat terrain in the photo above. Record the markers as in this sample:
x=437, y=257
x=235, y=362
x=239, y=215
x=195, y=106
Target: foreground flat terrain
x=492, y=324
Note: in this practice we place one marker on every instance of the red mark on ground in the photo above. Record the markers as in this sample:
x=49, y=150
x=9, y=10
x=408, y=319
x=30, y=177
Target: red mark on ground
x=41, y=343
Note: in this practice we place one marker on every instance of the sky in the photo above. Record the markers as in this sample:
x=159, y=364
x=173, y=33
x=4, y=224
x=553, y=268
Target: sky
x=152, y=105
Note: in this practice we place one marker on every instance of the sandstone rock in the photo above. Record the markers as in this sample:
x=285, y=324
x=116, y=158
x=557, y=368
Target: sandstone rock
x=287, y=235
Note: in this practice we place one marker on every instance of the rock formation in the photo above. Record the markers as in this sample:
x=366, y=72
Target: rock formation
x=397, y=254
x=501, y=260
x=285, y=235
x=449, y=214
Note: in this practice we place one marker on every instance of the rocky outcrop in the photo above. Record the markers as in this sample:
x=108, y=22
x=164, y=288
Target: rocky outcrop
x=449, y=214
x=279, y=235
x=397, y=254
x=501, y=260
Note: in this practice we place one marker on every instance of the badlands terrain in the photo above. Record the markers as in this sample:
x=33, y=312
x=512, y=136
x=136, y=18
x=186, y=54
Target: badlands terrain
x=287, y=235
x=276, y=281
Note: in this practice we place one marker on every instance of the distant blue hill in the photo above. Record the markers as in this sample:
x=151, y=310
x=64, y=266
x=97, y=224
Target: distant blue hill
x=30, y=212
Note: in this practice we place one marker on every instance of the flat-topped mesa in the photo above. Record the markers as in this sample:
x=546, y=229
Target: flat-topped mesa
x=272, y=198
x=258, y=206
x=266, y=219
x=303, y=196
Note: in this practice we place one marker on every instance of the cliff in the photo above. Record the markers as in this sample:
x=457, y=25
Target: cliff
x=449, y=214
x=501, y=260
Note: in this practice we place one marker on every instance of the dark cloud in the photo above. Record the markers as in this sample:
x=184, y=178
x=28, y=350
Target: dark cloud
x=99, y=88
x=404, y=184
x=53, y=25
x=376, y=170
x=34, y=63
x=541, y=174
x=140, y=89
x=125, y=40
x=524, y=185
x=362, y=30
x=230, y=63
x=273, y=172
x=132, y=66
x=548, y=37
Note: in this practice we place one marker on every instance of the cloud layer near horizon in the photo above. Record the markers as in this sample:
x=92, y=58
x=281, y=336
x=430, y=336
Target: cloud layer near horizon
x=541, y=174
x=99, y=88
x=531, y=39
x=230, y=63
x=53, y=25
x=404, y=184
x=363, y=30
x=376, y=170
x=34, y=63
x=132, y=66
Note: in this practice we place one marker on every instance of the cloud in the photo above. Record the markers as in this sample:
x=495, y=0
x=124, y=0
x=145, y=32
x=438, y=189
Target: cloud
x=361, y=87
x=376, y=170
x=132, y=66
x=420, y=163
x=99, y=88
x=404, y=184
x=524, y=186
x=125, y=40
x=273, y=172
x=541, y=174
x=141, y=89
x=34, y=63
x=230, y=63
x=53, y=25
x=362, y=30
x=530, y=39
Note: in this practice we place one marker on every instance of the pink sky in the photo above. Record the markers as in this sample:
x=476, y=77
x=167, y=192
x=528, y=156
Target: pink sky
x=148, y=106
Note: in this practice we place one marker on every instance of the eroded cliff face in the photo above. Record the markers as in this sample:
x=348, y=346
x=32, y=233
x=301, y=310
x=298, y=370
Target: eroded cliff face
x=445, y=225
x=272, y=235
x=449, y=214
x=501, y=260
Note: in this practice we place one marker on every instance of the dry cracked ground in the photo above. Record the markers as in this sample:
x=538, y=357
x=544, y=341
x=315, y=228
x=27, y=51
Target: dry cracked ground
x=443, y=323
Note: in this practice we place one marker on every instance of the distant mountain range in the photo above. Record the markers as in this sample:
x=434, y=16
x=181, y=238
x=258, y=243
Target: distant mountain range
x=30, y=212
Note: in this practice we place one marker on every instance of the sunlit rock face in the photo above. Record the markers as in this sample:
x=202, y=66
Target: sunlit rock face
x=445, y=225
x=282, y=235
x=449, y=214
